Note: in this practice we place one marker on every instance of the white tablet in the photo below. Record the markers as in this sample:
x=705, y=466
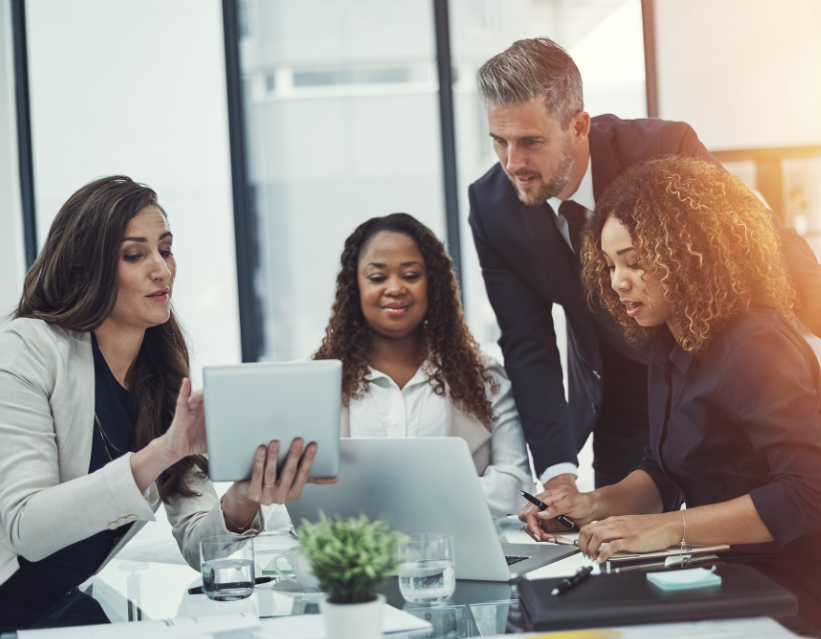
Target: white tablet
x=251, y=404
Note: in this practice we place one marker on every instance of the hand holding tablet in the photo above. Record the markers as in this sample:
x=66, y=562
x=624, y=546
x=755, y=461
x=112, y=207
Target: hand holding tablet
x=265, y=407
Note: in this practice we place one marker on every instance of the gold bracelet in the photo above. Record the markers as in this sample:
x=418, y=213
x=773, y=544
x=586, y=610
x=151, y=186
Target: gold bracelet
x=683, y=551
x=233, y=523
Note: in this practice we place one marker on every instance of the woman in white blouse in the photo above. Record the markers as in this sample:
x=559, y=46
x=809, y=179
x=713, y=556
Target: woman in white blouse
x=410, y=366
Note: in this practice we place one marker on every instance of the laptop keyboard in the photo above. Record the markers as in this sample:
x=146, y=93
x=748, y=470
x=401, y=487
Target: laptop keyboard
x=514, y=559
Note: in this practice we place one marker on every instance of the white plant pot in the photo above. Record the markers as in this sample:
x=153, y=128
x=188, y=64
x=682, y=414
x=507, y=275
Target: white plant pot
x=353, y=621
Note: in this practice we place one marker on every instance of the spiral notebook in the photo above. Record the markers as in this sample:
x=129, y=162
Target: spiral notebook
x=572, y=539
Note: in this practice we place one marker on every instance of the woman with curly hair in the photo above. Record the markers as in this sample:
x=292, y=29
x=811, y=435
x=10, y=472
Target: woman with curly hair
x=410, y=366
x=685, y=256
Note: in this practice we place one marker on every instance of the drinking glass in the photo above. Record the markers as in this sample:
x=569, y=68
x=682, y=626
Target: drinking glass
x=227, y=567
x=426, y=568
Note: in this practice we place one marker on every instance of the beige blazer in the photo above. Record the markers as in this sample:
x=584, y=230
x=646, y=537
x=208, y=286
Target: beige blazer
x=457, y=425
x=48, y=499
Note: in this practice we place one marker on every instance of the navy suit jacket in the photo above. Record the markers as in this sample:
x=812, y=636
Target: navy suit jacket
x=527, y=269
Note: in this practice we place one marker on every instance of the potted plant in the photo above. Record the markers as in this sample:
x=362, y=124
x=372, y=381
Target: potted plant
x=350, y=558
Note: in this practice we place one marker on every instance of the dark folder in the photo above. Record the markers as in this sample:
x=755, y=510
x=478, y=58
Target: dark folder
x=628, y=599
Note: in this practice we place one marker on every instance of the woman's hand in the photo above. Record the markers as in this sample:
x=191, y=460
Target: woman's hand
x=267, y=486
x=186, y=435
x=580, y=507
x=633, y=533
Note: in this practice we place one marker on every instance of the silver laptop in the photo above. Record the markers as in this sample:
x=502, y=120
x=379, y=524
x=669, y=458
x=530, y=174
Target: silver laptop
x=419, y=485
x=251, y=404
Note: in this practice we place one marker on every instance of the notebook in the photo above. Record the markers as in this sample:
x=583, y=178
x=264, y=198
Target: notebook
x=630, y=598
x=572, y=538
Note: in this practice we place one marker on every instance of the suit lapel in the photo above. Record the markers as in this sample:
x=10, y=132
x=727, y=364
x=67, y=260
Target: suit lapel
x=552, y=251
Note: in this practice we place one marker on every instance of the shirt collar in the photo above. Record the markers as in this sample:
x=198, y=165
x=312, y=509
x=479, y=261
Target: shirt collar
x=419, y=377
x=662, y=347
x=583, y=194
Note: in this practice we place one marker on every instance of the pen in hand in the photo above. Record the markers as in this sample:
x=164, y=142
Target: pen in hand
x=568, y=583
x=259, y=580
x=543, y=506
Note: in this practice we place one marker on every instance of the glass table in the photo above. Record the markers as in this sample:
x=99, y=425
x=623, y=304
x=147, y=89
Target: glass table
x=132, y=588
x=135, y=587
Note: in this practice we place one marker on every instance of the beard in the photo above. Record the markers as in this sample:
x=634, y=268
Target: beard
x=552, y=187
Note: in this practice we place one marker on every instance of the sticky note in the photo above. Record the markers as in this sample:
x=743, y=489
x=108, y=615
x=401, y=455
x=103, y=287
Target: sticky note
x=684, y=579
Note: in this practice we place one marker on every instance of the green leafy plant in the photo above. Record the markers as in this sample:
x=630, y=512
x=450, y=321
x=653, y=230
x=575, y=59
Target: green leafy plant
x=350, y=558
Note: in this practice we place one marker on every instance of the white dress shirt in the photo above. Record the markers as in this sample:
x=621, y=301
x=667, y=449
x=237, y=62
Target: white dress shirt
x=583, y=196
x=417, y=411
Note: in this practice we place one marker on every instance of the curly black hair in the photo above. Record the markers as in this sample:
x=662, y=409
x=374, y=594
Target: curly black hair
x=451, y=350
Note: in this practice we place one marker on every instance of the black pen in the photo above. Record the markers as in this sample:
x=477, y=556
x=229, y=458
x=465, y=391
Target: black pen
x=259, y=580
x=543, y=506
x=566, y=584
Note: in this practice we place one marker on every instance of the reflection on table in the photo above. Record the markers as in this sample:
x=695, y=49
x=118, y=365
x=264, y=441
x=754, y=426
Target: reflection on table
x=129, y=590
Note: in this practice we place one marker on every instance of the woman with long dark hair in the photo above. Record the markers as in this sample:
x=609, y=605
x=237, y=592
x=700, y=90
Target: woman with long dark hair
x=411, y=368
x=686, y=258
x=98, y=423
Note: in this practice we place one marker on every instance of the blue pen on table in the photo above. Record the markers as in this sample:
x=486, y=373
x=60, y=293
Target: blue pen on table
x=543, y=506
x=568, y=583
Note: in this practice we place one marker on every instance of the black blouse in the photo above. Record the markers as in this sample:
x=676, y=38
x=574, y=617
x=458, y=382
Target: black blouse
x=36, y=586
x=744, y=417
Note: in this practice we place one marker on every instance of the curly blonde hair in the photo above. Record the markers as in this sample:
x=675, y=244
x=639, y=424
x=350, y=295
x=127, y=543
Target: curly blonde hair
x=703, y=235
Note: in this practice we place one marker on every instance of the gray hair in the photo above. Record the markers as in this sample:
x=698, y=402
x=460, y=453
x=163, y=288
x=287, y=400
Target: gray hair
x=531, y=68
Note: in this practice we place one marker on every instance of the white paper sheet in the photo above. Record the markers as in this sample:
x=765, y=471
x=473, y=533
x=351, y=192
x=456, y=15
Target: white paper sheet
x=313, y=626
x=178, y=628
x=760, y=628
x=163, y=551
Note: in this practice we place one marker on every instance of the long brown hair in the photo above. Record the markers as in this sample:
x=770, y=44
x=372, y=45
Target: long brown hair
x=74, y=283
x=705, y=237
x=452, y=351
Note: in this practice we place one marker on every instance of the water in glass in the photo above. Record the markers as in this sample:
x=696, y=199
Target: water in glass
x=431, y=580
x=228, y=579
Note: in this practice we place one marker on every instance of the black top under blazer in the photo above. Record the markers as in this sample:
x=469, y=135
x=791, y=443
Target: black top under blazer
x=527, y=269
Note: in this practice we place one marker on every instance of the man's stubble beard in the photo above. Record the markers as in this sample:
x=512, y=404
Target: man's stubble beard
x=556, y=184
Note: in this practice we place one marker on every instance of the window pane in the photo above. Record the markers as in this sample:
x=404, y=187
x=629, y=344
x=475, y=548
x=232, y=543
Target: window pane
x=342, y=124
x=12, y=259
x=138, y=88
x=604, y=38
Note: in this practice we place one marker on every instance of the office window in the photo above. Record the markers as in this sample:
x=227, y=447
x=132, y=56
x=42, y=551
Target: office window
x=138, y=88
x=12, y=261
x=347, y=130
x=604, y=38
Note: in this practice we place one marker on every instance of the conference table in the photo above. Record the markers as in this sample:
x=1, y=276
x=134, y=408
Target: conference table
x=148, y=581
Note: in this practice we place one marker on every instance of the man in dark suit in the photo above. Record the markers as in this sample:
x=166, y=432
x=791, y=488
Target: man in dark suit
x=526, y=214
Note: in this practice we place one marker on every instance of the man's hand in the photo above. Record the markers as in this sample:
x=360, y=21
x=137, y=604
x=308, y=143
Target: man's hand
x=579, y=507
x=566, y=483
x=540, y=529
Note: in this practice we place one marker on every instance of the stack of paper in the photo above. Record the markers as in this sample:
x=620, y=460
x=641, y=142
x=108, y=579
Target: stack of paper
x=313, y=626
x=244, y=625
x=762, y=628
x=178, y=628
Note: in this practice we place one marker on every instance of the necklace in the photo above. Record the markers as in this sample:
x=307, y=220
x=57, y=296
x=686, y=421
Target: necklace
x=105, y=438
